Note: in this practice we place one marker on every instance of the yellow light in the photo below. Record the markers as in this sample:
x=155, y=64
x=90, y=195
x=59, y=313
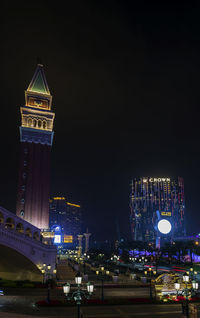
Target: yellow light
x=71, y=204
x=59, y=198
x=196, y=243
x=68, y=239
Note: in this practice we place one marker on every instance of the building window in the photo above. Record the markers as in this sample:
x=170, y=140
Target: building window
x=24, y=175
x=25, y=151
x=39, y=123
x=34, y=122
x=30, y=122
x=25, y=163
x=22, y=213
x=23, y=187
x=22, y=200
x=44, y=124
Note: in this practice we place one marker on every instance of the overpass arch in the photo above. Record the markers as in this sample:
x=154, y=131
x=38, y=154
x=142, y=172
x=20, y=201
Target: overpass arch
x=21, y=269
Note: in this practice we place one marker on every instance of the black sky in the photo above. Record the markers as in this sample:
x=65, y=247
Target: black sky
x=125, y=86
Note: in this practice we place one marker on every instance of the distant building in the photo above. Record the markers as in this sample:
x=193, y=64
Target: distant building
x=152, y=199
x=68, y=216
x=36, y=138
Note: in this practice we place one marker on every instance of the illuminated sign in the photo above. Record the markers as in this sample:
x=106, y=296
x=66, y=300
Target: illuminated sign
x=68, y=239
x=164, y=226
x=156, y=180
x=57, y=239
x=166, y=213
x=55, y=228
x=59, y=198
x=72, y=204
x=48, y=234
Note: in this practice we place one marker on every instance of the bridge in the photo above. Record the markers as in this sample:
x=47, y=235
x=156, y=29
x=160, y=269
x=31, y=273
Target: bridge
x=22, y=249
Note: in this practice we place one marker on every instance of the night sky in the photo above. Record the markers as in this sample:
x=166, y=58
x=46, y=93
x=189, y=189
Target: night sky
x=125, y=85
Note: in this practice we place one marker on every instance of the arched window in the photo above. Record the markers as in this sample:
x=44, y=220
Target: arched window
x=36, y=236
x=34, y=122
x=44, y=124
x=10, y=223
x=1, y=218
x=20, y=228
x=30, y=122
x=39, y=123
x=28, y=232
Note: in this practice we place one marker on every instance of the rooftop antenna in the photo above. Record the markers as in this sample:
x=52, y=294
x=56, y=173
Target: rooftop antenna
x=39, y=61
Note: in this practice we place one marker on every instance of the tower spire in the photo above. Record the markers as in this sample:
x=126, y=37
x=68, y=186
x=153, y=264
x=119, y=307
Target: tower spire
x=38, y=83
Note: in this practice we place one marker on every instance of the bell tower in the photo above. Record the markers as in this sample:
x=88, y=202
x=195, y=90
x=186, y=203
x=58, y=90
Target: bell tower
x=36, y=138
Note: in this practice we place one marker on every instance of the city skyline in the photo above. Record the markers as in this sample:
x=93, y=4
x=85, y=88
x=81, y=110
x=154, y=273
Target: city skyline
x=125, y=88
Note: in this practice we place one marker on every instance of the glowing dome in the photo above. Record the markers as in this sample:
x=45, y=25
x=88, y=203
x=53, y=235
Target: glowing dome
x=164, y=226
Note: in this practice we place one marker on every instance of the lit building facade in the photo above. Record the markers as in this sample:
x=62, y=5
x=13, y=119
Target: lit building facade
x=152, y=199
x=68, y=216
x=36, y=138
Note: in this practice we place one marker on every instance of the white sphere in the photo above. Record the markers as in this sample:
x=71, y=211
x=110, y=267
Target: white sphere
x=164, y=226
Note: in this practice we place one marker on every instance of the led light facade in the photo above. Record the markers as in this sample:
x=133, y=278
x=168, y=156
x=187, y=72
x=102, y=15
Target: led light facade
x=153, y=199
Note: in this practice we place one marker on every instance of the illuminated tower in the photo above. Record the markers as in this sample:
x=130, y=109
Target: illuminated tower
x=155, y=198
x=36, y=137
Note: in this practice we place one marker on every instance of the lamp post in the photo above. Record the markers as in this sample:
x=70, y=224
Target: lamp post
x=48, y=283
x=150, y=272
x=186, y=290
x=45, y=270
x=78, y=294
x=102, y=280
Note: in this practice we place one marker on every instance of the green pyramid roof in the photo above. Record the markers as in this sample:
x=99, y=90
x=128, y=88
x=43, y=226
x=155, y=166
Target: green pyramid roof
x=38, y=83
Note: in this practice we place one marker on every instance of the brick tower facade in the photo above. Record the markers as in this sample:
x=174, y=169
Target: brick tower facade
x=36, y=138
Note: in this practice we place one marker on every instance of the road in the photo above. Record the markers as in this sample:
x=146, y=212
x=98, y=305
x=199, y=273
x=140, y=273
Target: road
x=136, y=311
x=22, y=301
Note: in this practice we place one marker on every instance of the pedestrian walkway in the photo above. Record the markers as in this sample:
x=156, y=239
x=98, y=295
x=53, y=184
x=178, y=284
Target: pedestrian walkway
x=65, y=272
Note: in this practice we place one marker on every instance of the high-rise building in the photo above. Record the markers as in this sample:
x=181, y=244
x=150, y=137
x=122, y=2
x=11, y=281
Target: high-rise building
x=152, y=199
x=36, y=138
x=67, y=215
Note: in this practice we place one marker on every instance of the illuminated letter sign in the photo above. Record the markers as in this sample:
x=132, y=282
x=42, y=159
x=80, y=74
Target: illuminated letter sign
x=166, y=213
x=158, y=180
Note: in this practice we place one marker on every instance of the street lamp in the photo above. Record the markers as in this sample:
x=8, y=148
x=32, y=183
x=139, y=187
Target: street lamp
x=150, y=272
x=185, y=291
x=78, y=294
x=48, y=283
x=102, y=280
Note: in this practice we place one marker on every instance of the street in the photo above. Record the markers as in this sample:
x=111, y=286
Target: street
x=136, y=311
x=22, y=301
